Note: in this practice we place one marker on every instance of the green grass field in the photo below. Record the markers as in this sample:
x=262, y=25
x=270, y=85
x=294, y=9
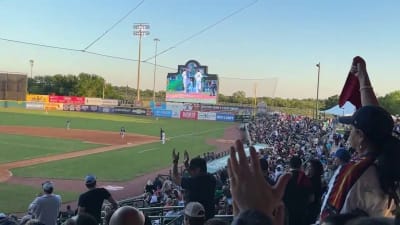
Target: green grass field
x=120, y=165
x=20, y=147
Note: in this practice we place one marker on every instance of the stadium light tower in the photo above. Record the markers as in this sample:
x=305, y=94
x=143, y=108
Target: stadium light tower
x=156, y=40
x=31, y=62
x=140, y=29
x=316, y=103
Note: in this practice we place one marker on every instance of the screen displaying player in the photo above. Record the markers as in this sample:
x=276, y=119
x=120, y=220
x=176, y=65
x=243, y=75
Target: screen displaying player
x=192, y=83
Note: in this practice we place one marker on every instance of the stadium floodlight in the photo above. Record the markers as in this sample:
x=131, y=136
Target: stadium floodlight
x=31, y=62
x=140, y=29
x=156, y=40
x=316, y=102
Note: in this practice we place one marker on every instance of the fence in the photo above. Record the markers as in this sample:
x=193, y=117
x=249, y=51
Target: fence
x=13, y=86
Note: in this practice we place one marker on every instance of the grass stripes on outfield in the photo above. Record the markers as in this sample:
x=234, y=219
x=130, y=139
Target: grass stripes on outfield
x=21, y=147
x=16, y=198
x=118, y=165
x=124, y=164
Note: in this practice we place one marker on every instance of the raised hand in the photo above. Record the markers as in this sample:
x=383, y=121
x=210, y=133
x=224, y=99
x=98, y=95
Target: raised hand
x=186, y=156
x=175, y=157
x=249, y=187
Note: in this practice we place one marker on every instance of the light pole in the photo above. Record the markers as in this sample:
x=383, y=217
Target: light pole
x=316, y=103
x=140, y=29
x=31, y=62
x=156, y=40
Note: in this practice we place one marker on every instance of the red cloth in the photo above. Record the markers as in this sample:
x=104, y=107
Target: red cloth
x=351, y=89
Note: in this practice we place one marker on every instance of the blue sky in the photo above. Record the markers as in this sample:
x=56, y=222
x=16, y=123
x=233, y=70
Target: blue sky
x=278, y=41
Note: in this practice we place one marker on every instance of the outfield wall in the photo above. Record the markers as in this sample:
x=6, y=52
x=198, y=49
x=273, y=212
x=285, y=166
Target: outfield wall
x=183, y=111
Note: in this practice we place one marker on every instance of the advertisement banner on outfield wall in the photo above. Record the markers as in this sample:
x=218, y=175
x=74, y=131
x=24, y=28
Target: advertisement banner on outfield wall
x=37, y=98
x=35, y=105
x=174, y=106
x=131, y=111
x=109, y=102
x=158, y=105
x=225, y=117
x=162, y=113
x=207, y=116
x=70, y=107
x=93, y=101
x=53, y=106
x=105, y=110
x=89, y=108
x=67, y=99
x=188, y=115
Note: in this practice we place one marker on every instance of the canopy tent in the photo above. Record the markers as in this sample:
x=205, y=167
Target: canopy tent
x=346, y=110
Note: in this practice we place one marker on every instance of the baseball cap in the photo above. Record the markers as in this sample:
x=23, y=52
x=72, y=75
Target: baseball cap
x=90, y=179
x=47, y=186
x=343, y=154
x=195, y=209
x=374, y=121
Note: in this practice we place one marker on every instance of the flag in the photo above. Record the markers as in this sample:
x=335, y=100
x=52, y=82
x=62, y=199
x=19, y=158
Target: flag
x=351, y=88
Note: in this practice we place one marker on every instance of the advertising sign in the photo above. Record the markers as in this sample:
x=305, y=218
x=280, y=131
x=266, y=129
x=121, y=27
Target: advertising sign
x=225, y=117
x=53, y=106
x=70, y=107
x=192, y=83
x=35, y=105
x=207, y=116
x=188, y=115
x=131, y=111
x=162, y=113
x=89, y=108
x=109, y=102
x=67, y=99
x=105, y=110
x=93, y=101
x=37, y=98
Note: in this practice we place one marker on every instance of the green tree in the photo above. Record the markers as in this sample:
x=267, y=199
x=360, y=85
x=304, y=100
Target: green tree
x=331, y=101
x=90, y=85
x=391, y=102
x=239, y=97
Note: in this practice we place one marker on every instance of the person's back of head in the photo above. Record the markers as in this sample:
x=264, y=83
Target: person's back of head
x=90, y=181
x=85, y=219
x=295, y=162
x=198, y=164
x=195, y=214
x=127, y=215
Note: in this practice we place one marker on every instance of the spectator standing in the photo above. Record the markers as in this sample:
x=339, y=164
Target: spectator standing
x=200, y=186
x=297, y=194
x=46, y=207
x=92, y=200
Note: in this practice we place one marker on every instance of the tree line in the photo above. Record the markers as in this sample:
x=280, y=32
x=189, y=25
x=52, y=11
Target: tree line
x=92, y=85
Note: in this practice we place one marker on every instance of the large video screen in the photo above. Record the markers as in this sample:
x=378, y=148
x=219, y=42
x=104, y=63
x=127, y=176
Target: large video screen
x=192, y=83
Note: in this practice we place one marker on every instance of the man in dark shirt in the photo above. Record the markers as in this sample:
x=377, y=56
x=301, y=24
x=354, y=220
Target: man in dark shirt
x=200, y=186
x=91, y=201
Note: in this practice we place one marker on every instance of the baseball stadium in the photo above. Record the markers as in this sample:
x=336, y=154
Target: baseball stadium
x=36, y=144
